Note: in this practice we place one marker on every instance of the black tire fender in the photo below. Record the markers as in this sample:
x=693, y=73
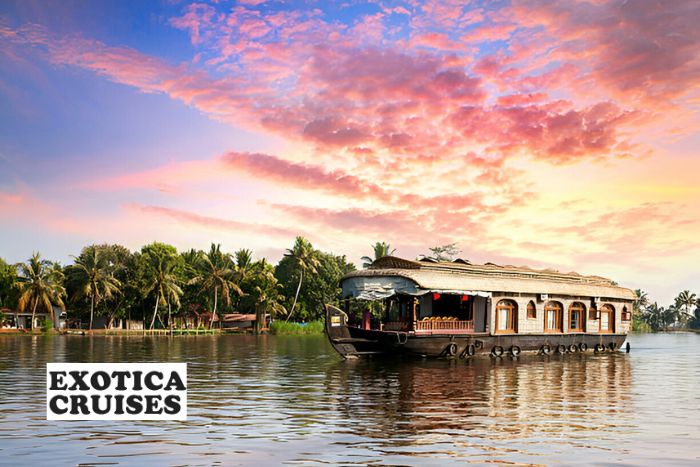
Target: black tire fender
x=599, y=348
x=497, y=351
x=451, y=349
x=573, y=348
x=514, y=350
x=545, y=349
x=561, y=348
x=583, y=347
x=471, y=350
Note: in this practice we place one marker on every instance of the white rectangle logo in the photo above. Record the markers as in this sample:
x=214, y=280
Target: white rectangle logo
x=116, y=391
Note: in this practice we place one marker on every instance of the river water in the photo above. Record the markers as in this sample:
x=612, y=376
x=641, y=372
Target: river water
x=271, y=400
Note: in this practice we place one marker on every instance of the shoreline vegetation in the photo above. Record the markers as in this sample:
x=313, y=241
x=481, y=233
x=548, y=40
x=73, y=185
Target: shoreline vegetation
x=682, y=315
x=159, y=290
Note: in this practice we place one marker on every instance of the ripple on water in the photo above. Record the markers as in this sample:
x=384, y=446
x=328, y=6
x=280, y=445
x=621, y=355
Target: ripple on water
x=274, y=400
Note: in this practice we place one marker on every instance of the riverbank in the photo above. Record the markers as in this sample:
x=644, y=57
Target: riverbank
x=284, y=328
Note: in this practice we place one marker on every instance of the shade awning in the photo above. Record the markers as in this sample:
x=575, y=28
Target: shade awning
x=381, y=294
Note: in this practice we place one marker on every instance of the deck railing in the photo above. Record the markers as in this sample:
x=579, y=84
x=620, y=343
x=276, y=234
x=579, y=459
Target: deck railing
x=430, y=326
x=446, y=325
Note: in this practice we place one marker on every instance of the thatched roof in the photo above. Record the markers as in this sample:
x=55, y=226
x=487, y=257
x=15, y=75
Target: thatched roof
x=489, y=277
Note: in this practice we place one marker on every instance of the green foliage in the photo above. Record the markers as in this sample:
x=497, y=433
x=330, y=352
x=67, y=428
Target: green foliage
x=92, y=277
x=639, y=325
x=380, y=250
x=47, y=325
x=8, y=293
x=216, y=273
x=315, y=275
x=41, y=285
x=286, y=328
x=161, y=269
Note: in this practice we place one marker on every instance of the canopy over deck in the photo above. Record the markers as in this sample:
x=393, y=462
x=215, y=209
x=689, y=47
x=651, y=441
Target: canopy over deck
x=389, y=275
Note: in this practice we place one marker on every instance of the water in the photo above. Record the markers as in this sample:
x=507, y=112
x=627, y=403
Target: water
x=272, y=400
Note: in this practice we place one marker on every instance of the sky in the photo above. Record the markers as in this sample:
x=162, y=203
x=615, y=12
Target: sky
x=558, y=135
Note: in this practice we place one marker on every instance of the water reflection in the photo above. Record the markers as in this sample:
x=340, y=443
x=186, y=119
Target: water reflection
x=274, y=400
x=528, y=406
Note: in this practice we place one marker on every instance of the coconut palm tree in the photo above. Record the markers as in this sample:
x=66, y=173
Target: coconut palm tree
x=654, y=316
x=266, y=293
x=641, y=302
x=92, y=276
x=162, y=282
x=217, y=273
x=381, y=249
x=304, y=257
x=40, y=282
x=685, y=300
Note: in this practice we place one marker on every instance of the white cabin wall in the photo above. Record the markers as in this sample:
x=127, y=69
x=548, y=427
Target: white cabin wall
x=536, y=325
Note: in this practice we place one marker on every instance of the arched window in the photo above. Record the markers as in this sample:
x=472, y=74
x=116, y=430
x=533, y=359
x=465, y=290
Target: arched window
x=531, y=310
x=553, y=314
x=506, y=316
x=577, y=314
x=607, y=319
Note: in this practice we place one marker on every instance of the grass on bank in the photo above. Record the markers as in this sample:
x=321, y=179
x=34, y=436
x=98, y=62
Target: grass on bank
x=284, y=328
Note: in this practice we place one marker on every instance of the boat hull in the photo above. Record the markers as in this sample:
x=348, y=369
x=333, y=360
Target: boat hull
x=351, y=342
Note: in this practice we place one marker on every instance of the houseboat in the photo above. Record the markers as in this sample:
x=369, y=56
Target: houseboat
x=458, y=309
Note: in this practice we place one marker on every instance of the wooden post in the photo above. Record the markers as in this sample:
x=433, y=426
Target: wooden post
x=486, y=315
x=413, y=305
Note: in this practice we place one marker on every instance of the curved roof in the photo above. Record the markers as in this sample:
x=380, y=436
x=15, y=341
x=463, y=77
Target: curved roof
x=493, y=278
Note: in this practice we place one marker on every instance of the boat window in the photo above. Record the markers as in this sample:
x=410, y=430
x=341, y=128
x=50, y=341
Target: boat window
x=531, y=310
x=506, y=316
x=626, y=315
x=607, y=319
x=553, y=313
x=577, y=311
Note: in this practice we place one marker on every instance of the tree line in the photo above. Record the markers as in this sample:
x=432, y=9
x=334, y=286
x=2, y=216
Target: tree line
x=683, y=313
x=163, y=287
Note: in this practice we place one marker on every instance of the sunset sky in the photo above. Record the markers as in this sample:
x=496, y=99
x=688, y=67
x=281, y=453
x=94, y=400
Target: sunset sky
x=530, y=133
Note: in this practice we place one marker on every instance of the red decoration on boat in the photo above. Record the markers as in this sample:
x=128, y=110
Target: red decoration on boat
x=465, y=298
x=436, y=296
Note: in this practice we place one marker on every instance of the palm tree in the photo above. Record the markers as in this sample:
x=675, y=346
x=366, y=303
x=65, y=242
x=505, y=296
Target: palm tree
x=266, y=293
x=39, y=282
x=641, y=302
x=381, y=249
x=304, y=256
x=686, y=300
x=654, y=316
x=217, y=273
x=162, y=282
x=93, y=278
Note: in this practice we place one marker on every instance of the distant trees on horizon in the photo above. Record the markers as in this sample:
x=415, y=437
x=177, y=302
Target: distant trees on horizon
x=158, y=284
x=683, y=313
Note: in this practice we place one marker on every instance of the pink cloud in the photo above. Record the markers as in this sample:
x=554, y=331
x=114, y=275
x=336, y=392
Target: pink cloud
x=436, y=40
x=491, y=32
x=208, y=222
x=639, y=50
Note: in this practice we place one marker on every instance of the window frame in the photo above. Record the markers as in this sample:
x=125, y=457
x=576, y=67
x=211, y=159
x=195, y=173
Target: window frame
x=531, y=310
x=581, y=308
x=558, y=308
x=510, y=307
